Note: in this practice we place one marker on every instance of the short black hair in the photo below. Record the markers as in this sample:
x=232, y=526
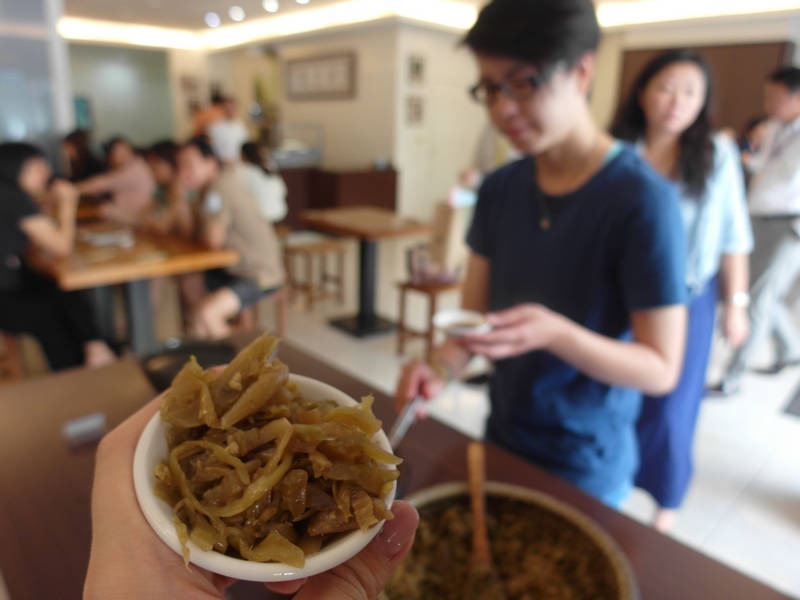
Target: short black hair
x=203, y=146
x=165, y=150
x=13, y=156
x=545, y=33
x=113, y=141
x=788, y=76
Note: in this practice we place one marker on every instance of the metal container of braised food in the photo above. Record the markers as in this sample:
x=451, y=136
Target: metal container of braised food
x=542, y=548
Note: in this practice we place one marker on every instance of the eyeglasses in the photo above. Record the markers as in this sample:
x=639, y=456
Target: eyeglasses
x=518, y=89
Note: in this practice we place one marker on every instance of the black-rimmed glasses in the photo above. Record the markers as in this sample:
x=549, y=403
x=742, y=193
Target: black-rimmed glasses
x=516, y=88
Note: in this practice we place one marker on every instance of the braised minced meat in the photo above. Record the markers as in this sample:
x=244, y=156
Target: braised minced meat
x=538, y=555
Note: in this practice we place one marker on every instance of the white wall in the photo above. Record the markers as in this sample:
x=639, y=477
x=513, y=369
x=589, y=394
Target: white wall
x=128, y=89
x=702, y=32
x=35, y=102
x=430, y=155
x=239, y=72
x=355, y=131
x=188, y=80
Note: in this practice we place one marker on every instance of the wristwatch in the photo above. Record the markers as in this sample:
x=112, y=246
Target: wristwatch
x=740, y=299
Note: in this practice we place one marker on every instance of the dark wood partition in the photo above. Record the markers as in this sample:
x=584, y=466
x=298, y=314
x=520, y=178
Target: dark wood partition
x=317, y=188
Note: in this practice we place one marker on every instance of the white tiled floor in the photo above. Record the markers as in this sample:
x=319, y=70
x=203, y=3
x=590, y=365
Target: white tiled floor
x=743, y=508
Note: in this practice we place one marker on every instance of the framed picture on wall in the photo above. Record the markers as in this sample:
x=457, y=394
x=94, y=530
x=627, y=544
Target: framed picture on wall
x=330, y=77
x=416, y=69
x=415, y=110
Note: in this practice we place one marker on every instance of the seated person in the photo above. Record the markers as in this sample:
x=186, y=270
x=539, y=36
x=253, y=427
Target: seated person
x=128, y=180
x=230, y=218
x=80, y=160
x=29, y=303
x=266, y=186
x=171, y=212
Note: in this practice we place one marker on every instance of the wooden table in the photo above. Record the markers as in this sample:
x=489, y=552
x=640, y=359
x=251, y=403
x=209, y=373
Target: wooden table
x=98, y=267
x=370, y=225
x=45, y=487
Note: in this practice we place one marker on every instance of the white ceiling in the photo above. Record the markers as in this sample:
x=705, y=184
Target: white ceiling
x=183, y=14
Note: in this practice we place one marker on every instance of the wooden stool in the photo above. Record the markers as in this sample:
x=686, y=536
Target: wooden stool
x=311, y=251
x=250, y=318
x=432, y=291
x=11, y=360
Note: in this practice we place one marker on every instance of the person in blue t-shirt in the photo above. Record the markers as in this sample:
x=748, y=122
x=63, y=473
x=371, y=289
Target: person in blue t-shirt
x=577, y=254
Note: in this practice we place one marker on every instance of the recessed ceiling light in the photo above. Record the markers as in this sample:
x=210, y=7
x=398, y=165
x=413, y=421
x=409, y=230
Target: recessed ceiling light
x=271, y=6
x=236, y=13
x=212, y=19
x=302, y=1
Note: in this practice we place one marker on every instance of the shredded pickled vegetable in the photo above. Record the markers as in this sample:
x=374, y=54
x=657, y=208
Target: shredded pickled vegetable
x=258, y=472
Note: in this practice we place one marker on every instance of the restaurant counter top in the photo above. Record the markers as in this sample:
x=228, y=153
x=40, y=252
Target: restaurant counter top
x=45, y=486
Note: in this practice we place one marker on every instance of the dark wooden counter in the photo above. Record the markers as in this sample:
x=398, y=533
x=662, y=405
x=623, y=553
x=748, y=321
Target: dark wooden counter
x=45, y=487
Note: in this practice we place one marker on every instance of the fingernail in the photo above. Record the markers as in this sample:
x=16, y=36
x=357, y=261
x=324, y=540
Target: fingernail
x=397, y=533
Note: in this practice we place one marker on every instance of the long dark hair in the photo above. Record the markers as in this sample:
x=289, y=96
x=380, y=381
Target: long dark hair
x=253, y=154
x=85, y=164
x=13, y=156
x=696, y=158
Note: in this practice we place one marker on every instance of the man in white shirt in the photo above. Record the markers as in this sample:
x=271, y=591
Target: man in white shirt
x=774, y=199
x=228, y=133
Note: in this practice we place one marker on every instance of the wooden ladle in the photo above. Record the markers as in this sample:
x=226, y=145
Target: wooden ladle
x=482, y=581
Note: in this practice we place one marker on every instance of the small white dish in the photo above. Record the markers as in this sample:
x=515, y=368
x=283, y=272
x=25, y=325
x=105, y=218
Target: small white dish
x=458, y=323
x=152, y=449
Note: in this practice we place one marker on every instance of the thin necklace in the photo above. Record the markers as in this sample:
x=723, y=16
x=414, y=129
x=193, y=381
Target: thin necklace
x=546, y=215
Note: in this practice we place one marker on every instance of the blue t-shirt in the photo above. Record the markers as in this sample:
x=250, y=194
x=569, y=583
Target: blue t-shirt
x=615, y=245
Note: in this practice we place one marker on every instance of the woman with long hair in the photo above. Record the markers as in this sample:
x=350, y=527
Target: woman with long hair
x=266, y=186
x=667, y=116
x=29, y=303
x=576, y=256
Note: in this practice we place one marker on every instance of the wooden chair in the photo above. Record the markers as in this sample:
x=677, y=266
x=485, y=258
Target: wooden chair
x=251, y=317
x=447, y=252
x=330, y=283
x=432, y=291
x=11, y=367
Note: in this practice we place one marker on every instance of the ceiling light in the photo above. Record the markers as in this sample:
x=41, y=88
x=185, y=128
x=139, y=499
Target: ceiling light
x=636, y=12
x=236, y=13
x=133, y=34
x=302, y=1
x=212, y=19
x=271, y=6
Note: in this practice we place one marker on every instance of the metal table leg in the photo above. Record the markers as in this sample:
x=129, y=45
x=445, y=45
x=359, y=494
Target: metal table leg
x=102, y=300
x=366, y=322
x=139, y=311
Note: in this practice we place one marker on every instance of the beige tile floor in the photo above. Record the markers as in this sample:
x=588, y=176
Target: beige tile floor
x=743, y=508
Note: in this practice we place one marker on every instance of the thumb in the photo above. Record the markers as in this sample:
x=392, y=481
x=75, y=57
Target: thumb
x=508, y=317
x=367, y=573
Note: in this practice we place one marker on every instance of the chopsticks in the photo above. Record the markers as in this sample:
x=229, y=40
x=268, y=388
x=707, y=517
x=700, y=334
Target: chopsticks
x=403, y=422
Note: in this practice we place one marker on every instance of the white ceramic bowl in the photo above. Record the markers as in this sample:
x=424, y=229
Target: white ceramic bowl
x=152, y=449
x=458, y=323
x=628, y=590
